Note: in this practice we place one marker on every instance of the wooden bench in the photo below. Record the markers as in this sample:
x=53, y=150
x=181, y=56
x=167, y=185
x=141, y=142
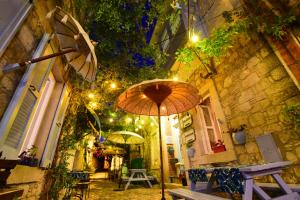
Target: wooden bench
x=191, y=195
x=293, y=187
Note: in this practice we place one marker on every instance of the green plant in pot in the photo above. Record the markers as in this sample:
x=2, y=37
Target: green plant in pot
x=28, y=157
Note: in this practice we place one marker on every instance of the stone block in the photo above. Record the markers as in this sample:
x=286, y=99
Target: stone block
x=250, y=80
x=240, y=149
x=274, y=127
x=227, y=82
x=251, y=147
x=223, y=93
x=297, y=171
x=277, y=87
x=246, y=95
x=291, y=157
x=244, y=158
x=245, y=73
x=298, y=151
x=293, y=100
x=252, y=62
x=26, y=37
x=257, y=119
x=274, y=110
x=263, y=83
x=264, y=52
x=245, y=107
x=278, y=73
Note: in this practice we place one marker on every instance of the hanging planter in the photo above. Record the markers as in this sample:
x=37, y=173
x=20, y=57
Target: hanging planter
x=191, y=152
x=238, y=135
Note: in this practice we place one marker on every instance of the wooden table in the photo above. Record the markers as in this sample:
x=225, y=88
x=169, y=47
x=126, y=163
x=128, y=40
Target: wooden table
x=273, y=169
x=138, y=175
x=251, y=172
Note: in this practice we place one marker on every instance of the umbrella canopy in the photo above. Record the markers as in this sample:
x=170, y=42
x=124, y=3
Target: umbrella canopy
x=162, y=98
x=74, y=43
x=71, y=35
x=174, y=97
x=125, y=137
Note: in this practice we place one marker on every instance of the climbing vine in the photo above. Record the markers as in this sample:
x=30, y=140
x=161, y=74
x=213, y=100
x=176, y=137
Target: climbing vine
x=222, y=38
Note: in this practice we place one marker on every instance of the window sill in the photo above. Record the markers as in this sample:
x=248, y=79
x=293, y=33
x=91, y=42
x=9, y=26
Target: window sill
x=225, y=156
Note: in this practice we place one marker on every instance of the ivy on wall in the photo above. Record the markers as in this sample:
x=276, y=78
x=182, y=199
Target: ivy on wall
x=222, y=38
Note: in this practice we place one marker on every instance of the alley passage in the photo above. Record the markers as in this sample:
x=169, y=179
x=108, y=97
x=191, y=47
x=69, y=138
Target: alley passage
x=104, y=190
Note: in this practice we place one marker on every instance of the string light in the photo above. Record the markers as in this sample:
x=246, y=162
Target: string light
x=136, y=130
x=94, y=104
x=142, y=122
x=151, y=124
x=91, y=95
x=128, y=119
x=111, y=120
x=175, y=78
x=113, y=85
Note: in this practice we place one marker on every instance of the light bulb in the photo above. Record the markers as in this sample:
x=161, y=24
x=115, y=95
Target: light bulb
x=195, y=38
x=113, y=85
x=91, y=95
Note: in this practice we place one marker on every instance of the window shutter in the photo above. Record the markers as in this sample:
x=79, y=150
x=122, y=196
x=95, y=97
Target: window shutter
x=19, y=125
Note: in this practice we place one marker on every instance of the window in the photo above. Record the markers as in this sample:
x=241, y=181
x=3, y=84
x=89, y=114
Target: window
x=19, y=113
x=12, y=14
x=209, y=124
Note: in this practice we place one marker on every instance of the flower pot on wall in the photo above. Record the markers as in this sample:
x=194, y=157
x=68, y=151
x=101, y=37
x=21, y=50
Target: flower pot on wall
x=239, y=137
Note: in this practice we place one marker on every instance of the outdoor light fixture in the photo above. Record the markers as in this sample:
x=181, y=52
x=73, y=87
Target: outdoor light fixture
x=194, y=38
x=111, y=120
x=91, y=95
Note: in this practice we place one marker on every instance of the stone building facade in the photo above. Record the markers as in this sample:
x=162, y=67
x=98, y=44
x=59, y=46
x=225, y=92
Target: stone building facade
x=253, y=88
x=29, y=40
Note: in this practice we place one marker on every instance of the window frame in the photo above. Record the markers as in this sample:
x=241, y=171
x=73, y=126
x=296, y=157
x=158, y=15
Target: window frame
x=14, y=106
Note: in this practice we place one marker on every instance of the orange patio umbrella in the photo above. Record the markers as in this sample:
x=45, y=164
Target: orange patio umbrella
x=159, y=97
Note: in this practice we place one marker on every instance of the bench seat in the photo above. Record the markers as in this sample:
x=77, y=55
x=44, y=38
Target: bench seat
x=294, y=187
x=190, y=195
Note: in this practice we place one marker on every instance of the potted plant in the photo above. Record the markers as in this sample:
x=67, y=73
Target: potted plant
x=218, y=147
x=238, y=134
x=28, y=157
x=190, y=150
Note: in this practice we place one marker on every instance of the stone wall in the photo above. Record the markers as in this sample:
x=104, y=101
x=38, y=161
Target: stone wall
x=30, y=179
x=254, y=88
x=22, y=47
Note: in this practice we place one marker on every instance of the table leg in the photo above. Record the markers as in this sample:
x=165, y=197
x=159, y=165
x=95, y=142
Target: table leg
x=284, y=187
x=261, y=193
x=248, y=191
x=210, y=183
x=145, y=176
x=129, y=180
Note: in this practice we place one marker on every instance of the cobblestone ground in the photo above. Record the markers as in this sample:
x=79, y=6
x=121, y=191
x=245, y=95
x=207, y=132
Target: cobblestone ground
x=104, y=190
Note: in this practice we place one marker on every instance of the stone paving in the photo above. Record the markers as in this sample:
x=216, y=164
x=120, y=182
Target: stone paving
x=104, y=190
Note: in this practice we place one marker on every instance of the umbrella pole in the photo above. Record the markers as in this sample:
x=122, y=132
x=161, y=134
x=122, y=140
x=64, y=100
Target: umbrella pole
x=11, y=67
x=161, y=157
